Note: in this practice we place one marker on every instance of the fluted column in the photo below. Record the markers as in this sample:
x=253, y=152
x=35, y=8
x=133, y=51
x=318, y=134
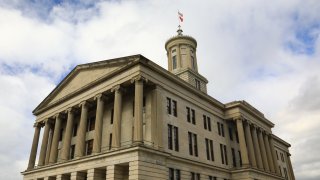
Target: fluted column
x=65, y=151
x=98, y=125
x=49, y=145
x=251, y=153
x=34, y=147
x=257, y=151
x=116, y=132
x=44, y=145
x=242, y=143
x=55, y=140
x=269, y=156
x=81, y=136
x=274, y=156
x=263, y=152
x=138, y=111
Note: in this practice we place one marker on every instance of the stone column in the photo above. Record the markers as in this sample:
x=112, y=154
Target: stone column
x=251, y=153
x=116, y=131
x=55, y=140
x=156, y=117
x=99, y=123
x=138, y=111
x=114, y=172
x=242, y=143
x=269, y=156
x=274, y=156
x=34, y=147
x=49, y=144
x=290, y=169
x=257, y=151
x=96, y=174
x=44, y=144
x=263, y=151
x=65, y=151
x=81, y=136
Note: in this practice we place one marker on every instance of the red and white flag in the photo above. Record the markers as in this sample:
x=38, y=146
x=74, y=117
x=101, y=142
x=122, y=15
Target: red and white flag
x=180, y=16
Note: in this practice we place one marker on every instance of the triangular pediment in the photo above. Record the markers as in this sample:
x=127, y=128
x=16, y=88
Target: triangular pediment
x=83, y=76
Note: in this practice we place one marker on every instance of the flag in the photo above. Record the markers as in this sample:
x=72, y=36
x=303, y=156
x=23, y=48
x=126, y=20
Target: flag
x=180, y=16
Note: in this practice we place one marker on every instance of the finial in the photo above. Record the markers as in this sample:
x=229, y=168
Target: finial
x=179, y=31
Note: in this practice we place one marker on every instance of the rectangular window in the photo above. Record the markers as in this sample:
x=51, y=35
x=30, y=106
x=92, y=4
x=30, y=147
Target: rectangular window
x=230, y=134
x=219, y=131
x=195, y=145
x=233, y=157
x=91, y=123
x=89, y=147
x=277, y=155
x=222, y=130
x=211, y=150
x=174, y=108
x=198, y=176
x=72, y=150
x=225, y=154
x=171, y=174
x=237, y=136
x=221, y=153
x=205, y=121
x=209, y=123
x=111, y=118
x=174, y=62
x=188, y=114
x=285, y=173
x=60, y=134
x=110, y=141
x=193, y=177
x=176, y=138
x=170, y=136
x=198, y=86
x=74, y=131
x=178, y=176
x=282, y=158
x=168, y=105
x=190, y=143
x=280, y=170
x=212, y=178
x=193, y=116
x=207, y=149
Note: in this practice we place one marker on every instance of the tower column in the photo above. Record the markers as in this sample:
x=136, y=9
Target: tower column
x=116, y=131
x=34, y=147
x=242, y=143
x=250, y=146
x=274, y=156
x=55, y=140
x=44, y=144
x=81, y=137
x=263, y=151
x=269, y=156
x=257, y=147
x=138, y=110
x=68, y=135
x=98, y=125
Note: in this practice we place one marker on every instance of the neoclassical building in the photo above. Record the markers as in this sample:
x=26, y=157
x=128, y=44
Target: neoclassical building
x=128, y=118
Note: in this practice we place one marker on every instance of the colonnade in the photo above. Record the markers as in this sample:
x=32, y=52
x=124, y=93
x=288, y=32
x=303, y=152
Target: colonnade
x=256, y=147
x=49, y=147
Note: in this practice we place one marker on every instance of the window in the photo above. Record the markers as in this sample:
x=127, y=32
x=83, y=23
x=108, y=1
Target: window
x=193, y=62
x=110, y=141
x=225, y=154
x=195, y=176
x=193, y=145
x=72, y=150
x=111, y=118
x=174, y=174
x=74, y=131
x=230, y=134
x=170, y=136
x=89, y=146
x=209, y=149
x=174, y=62
x=233, y=157
x=173, y=140
x=91, y=123
x=193, y=116
x=220, y=129
x=172, y=107
x=198, y=86
x=173, y=51
x=207, y=122
x=212, y=178
x=221, y=152
x=188, y=114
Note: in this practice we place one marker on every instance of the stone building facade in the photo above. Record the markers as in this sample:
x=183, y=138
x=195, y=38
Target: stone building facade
x=128, y=118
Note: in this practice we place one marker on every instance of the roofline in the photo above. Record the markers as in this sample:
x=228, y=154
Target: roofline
x=281, y=140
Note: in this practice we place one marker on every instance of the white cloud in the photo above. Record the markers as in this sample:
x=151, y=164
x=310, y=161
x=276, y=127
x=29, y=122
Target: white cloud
x=243, y=50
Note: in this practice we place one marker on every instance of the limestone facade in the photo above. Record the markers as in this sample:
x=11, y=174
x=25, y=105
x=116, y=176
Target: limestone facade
x=128, y=118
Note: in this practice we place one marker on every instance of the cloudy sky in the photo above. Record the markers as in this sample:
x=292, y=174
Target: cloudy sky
x=265, y=52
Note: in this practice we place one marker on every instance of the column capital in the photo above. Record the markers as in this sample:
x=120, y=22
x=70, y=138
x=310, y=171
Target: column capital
x=100, y=96
x=58, y=115
x=84, y=104
x=139, y=78
x=70, y=110
x=37, y=124
x=237, y=118
x=117, y=88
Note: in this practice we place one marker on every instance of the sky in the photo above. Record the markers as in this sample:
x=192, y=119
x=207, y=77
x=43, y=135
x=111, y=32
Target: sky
x=264, y=52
